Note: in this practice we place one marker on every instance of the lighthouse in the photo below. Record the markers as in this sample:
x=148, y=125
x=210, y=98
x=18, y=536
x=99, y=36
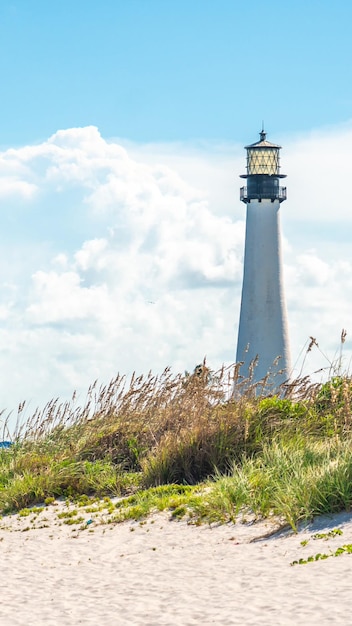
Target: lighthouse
x=263, y=331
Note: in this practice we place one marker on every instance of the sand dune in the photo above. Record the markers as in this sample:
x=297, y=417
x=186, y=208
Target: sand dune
x=166, y=573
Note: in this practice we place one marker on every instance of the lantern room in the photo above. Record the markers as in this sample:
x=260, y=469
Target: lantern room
x=263, y=172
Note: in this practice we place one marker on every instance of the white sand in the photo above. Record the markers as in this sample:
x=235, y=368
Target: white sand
x=170, y=573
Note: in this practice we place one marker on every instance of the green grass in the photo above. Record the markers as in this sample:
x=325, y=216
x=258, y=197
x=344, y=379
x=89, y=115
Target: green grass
x=186, y=445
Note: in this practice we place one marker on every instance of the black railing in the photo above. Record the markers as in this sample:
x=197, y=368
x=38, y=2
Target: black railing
x=278, y=194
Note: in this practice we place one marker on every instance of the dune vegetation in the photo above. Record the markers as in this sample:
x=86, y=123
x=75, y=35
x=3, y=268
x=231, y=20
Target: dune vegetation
x=191, y=445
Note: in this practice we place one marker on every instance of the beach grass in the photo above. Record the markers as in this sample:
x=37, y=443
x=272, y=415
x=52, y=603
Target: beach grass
x=205, y=446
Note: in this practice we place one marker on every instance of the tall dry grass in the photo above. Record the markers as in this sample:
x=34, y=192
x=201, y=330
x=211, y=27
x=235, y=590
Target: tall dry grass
x=162, y=429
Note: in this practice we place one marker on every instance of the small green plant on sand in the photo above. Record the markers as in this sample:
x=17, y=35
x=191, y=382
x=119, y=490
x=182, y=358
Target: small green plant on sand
x=346, y=549
x=67, y=514
x=74, y=520
x=332, y=533
x=336, y=532
x=169, y=498
x=325, y=536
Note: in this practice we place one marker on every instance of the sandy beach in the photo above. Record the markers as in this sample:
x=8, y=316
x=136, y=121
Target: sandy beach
x=162, y=572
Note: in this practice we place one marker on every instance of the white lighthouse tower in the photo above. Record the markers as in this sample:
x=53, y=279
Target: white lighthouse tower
x=263, y=332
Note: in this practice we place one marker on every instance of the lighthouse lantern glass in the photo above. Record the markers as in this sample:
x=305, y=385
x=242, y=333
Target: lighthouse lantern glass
x=263, y=161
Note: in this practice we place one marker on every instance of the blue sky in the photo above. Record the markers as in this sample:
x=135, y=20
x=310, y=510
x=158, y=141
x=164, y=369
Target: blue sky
x=121, y=145
x=161, y=70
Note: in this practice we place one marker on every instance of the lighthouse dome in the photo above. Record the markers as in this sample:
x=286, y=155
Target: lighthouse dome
x=263, y=157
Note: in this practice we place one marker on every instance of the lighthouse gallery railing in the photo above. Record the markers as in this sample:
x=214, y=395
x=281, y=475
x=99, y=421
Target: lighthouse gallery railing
x=279, y=194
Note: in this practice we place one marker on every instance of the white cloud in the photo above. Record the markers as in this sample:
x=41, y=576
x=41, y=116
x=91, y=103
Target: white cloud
x=61, y=297
x=313, y=271
x=133, y=258
x=13, y=186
